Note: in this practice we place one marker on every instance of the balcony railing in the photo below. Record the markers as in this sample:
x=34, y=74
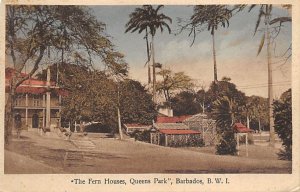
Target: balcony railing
x=35, y=103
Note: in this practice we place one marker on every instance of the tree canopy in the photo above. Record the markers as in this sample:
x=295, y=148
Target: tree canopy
x=172, y=82
x=185, y=103
x=95, y=96
x=283, y=123
x=34, y=30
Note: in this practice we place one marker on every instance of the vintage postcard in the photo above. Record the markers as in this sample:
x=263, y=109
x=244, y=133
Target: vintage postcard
x=150, y=95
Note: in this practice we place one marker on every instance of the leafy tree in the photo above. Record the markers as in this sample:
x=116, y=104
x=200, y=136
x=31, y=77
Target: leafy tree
x=31, y=31
x=228, y=89
x=201, y=99
x=224, y=112
x=172, y=82
x=211, y=17
x=283, y=123
x=185, y=103
x=136, y=104
x=92, y=96
x=256, y=109
x=148, y=18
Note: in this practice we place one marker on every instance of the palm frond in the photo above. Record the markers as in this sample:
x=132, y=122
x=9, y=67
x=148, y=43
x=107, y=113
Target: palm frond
x=261, y=44
x=251, y=7
x=280, y=20
x=261, y=13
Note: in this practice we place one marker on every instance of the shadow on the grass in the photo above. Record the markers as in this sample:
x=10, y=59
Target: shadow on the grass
x=274, y=170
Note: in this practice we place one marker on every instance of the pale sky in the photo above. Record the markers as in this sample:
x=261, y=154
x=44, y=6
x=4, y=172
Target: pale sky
x=236, y=49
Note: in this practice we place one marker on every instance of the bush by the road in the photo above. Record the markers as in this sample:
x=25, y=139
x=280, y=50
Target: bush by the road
x=283, y=123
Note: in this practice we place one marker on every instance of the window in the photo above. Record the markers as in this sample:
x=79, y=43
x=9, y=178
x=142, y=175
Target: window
x=36, y=101
x=18, y=100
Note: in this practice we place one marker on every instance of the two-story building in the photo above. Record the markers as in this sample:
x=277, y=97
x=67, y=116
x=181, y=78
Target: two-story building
x=37, y=103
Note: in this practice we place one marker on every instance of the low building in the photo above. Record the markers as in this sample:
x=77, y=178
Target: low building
x=241, y=131
x=132, y=127
x=200, y=122
x=174, y=135
x=175, y=119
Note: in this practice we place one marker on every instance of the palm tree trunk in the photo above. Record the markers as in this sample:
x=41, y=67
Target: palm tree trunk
x=148, y=58
x=248, y=121
x=270, y=85
x=153, y=67
x=119, y=114
x=215, y=61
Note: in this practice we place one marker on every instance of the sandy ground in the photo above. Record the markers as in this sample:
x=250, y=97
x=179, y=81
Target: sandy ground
x=40, y=154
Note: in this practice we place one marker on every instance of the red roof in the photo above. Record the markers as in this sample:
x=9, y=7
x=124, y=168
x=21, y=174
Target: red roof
x=179, y=131
x=30, y=85
x=177, y=119
x=9, y=72
x=240, y=128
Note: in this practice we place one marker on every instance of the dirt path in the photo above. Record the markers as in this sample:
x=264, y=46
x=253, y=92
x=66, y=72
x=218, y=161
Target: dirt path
x=15, y=163
x=115, y=156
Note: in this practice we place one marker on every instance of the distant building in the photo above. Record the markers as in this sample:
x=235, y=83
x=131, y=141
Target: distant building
x=200, y=122
x=171, y=131
x=133, y=127
x=37, y=103
x=167, y=112
x=175, y=119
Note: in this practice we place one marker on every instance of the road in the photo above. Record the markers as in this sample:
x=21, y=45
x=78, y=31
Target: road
x=128, y=156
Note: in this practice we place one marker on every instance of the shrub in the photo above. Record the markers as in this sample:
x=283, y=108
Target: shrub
x=282, y=111
x=192, y=141
x=141, y=136
x=223, y=111
x=227, y=145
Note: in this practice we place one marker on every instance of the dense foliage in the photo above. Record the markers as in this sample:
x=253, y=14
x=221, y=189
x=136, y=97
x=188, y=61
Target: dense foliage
x=95, y=96
x=136, y=103
x=224, y=112
x=185, y=103
x=192, y=141
x=283, y=123
x=173, y=82
x=141, y=136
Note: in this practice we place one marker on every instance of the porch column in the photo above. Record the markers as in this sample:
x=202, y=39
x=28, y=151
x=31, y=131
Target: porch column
x=59, y=101
x=48, y=97
x=247, y=144
x=26, y=110
x=166, y=140
x=151, y=138
x=238, y=143
x=43, y=124
x=75, y=130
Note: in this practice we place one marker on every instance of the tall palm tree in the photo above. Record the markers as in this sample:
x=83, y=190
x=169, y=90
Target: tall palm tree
x=148, y=19
x=210, y=16
x=137, y=18
x=265, y=13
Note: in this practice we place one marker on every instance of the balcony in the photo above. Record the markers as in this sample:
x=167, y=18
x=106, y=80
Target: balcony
x=36, y=103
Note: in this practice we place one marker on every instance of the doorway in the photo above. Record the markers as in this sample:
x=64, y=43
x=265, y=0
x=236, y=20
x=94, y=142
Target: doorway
x=35, y=121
